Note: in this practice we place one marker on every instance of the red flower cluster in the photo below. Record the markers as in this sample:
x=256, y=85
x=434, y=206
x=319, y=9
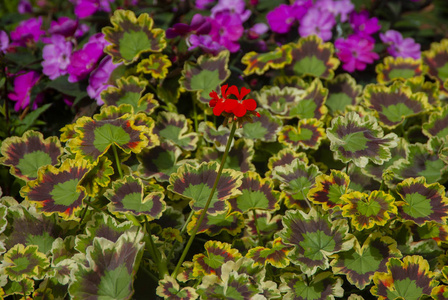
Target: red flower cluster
x=236, y=108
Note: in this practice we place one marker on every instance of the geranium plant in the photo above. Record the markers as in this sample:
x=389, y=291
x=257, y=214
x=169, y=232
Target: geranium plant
x=223, y=149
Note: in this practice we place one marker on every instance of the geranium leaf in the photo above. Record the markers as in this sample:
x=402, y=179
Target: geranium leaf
x=307, y=135
x=230, y=222
x=359, y=140
x=422, y=202
x=169, y=289
x=368, y=210
x=437, y=124
x=329, y=190
x=393, y=68
x=360, y=182
x=206, y=75
x=275, y=256
x=175, y=128
x=279, y=101
x=296, y=178
x=218, y=137
x=239, y=157
x=103, y=226
x=111, y=269
x=127, y=195
x=25, y=262
x=26, y=154
x=263, y=128
x=57, y=190
x=421, y=160
x=156, y=64
x=266, y=223
x=256, y=193
x=314, y=237
x=311, y=56
x=130, y=37
x=98, y=176
x=217, y=254
x=342, y=91
x=322, y=286
x=436, y=58
x=407, y=279
x=285, y=157
x=393, y=104
x=259, y=63
x=361, y=263
x=312, y=104
x=430, y=88
x=94, y=138
x=159, y=162
x=195, y=183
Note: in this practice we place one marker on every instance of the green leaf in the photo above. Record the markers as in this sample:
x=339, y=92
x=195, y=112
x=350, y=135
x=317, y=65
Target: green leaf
x=259, y=63
x=394, y=68
x=25, y=262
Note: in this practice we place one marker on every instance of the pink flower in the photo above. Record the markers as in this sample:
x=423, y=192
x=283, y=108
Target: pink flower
x=337, y=8
x=257, y=30
x=363, y=26
x=27, y=31
x=86, y=8
x=234, y=7
x=83, y=61
x=226, y=30
x=24, y=7
x=355, y=52
x=205, y=42
x=23, y=84
x=99, y=79
x=281, y=18
x=68, y=27
x=400, y=47
x=203, y=4
x=318, y=22
x=4, y=42
x=56, y=57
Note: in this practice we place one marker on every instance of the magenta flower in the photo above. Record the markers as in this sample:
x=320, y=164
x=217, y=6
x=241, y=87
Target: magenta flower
x=4, y=41
x=24, y=7
x=257, y=30
x=23, y=84
x=341, y=8
x=234, y=7
x=355, y=52
x=56, y=57
x=318, y=22
x=226, y=30
x=399, y=46
x=86, y=8
x=83, y=61
x=27, y=31
x=205, y=42
x=99, y=79
x=199, y=25
x=281, y=18
x=363, y=26
x=67, y=27
x=300, y=8
x=203, y=4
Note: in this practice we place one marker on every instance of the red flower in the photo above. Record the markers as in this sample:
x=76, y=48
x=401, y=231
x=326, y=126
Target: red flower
x=235, y=108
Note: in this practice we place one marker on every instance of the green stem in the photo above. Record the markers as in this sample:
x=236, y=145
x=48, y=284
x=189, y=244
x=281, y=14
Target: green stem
x=153, y=277
x=256, y=227
x=117, y=160
x=161, y=265
x=195, y=112
x=181, y=232
x=207, y=204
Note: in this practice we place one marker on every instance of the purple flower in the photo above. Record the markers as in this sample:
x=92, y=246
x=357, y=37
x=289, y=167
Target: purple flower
x=199, y=25
x=234, y=7
x=318, y=22
x=300, y=8
x=363, y=26
x=340, y=8
x=226, y=30
x=205, y=42
x=399, y=46
x=56, y=57
x=255, y=31
x=67, y=27
x=203, y=4
x=355, y=52
x=281, y=18
x=4, y=42
x=24, y=7
x=27, y=31
x=83, y=61
x=86, y=8
x=23, y=84
x=99, y=79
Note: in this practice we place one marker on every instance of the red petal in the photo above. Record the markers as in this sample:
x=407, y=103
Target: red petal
x=223, y=91
x=239, y=110
x=219, y=108
x=250, y=104
x=233, y=90
x=244, y=92
x=230, y=105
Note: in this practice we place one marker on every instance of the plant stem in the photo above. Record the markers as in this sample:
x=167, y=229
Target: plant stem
x=117, y=160
x=195, y=112
x=207, y=204
x=181, y=232
x=161, y=264
x=256, y=226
